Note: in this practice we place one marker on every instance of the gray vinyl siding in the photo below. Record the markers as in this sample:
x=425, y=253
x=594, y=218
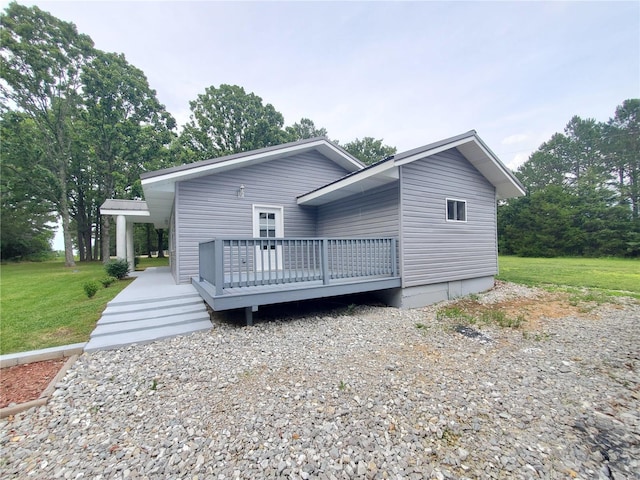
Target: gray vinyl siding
x=172, y=245
x=434, y=250
x=209, y=207
x=370, y=214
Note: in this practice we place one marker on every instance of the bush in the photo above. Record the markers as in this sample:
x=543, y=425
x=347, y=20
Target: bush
x=41, y=256
x=117, y=268
x=91, y=288
x=107, y=281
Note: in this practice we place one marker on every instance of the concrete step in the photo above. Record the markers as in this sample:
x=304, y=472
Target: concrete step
x=108, y=342
x=167, y=311
x=151, y=304
x=148, y=323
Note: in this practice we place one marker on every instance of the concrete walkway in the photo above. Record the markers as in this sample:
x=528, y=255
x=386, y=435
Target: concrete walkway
x=151, y=308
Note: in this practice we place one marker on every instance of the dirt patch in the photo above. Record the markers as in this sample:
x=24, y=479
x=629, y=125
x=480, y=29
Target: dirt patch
x=548, y=306
x=23, y=383
x=533, y=310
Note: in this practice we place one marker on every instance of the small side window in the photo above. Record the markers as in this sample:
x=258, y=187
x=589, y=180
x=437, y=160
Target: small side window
x=456, y=210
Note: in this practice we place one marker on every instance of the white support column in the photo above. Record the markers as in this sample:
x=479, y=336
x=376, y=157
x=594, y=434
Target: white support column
x=130, y=250
x=121, y=236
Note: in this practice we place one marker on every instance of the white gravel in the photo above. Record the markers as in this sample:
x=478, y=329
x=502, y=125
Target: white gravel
x=381, y=393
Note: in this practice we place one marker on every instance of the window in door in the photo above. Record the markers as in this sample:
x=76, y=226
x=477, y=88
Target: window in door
x=268, y=224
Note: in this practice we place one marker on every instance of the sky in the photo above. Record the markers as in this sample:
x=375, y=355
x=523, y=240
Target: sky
x=410, y=73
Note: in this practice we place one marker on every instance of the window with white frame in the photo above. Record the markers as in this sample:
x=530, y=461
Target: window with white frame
x=456, y=210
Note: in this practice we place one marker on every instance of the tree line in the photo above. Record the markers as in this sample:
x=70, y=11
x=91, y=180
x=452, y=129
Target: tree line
x=583, y=192
x=79, y=125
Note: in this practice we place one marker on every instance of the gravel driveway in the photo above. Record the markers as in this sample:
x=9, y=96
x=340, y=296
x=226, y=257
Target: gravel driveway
x=370, y=393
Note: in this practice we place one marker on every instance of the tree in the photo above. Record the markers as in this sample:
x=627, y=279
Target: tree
x=369, y=150
x=304, y=129
x=584, y=152
x=622, y=134
x=40, y=63
x=26, y=206
x=228, y=120
x=127, y=130
x=546, y=166
x=583, y=191
x=540, y=224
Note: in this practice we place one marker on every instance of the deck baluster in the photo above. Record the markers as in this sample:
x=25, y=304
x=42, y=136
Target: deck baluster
x=242, y=262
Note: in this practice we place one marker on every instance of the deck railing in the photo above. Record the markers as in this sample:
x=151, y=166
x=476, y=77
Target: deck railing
x=248, y=262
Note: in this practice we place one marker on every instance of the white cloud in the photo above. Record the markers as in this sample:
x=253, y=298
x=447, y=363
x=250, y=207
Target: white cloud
x=352, y=74
x=518, y=159
x=517, y=138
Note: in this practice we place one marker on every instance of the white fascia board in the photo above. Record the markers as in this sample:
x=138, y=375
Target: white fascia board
x=126, y=213
x=350, y=180
x=229, y=164
x=487, y=154
x=433, y=151
x=500, y=166
x=350, y=161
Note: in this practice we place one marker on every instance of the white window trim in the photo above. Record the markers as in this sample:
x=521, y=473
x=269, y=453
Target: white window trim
x=275, y=208
x=446, y=210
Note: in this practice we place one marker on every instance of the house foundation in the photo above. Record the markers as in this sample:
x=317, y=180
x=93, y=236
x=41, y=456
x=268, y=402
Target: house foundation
x=423, y=295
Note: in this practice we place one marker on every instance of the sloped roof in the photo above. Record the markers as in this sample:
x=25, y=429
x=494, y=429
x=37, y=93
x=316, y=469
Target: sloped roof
x=135, y=210
x=204, y=167
x=469, y=144
x=159, y=186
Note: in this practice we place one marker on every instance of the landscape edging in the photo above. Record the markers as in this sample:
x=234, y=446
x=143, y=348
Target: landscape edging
x=71, y=351
x=21, y=358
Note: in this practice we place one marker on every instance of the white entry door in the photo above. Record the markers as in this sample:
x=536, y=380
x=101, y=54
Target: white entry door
x=268, y=224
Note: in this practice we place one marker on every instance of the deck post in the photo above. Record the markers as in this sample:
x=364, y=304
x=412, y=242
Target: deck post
x=218, y=265
x=248, y=315
x=325, y=261
x=394, y=260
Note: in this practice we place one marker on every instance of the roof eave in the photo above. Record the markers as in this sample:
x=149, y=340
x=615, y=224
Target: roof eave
x=469, y=145
x=206, y=167
x=370, y=177
x=159, y=186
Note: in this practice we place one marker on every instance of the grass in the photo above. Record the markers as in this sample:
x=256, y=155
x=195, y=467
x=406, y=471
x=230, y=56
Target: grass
x=605, y=276
x=144, y=262
x=468, y=311
x=44, y=304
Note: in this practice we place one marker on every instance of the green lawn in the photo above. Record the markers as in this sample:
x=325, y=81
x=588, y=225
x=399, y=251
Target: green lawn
x=144, y=262
x=44, y=304
x=609, y=274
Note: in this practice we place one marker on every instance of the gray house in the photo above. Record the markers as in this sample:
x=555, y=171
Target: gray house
x=307, y=220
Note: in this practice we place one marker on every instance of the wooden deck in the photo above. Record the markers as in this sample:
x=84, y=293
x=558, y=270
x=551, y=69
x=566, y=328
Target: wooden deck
x=249, y=272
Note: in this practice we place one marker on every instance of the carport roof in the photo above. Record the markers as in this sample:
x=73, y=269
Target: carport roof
x=136, y=211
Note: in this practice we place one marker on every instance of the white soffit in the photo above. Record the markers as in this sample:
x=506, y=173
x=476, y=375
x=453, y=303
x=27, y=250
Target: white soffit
x=359, y=182
x=166, y=181
x=159, y=189
x=470, y=147
x=492, y=168
x=135, y=211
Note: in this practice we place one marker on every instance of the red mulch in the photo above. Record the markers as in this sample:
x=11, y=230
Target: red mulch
x=22, y=383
